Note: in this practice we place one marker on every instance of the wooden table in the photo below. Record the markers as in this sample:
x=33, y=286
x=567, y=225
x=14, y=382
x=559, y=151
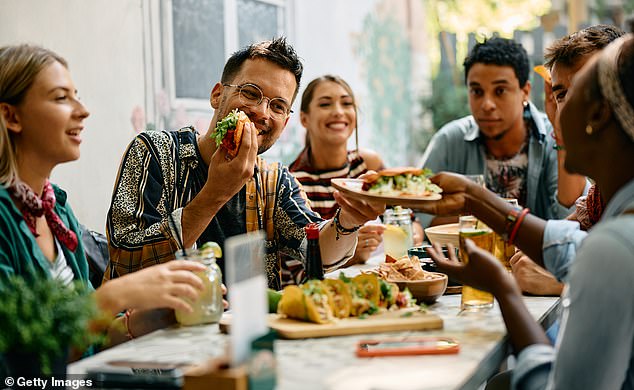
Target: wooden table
x=330, y=363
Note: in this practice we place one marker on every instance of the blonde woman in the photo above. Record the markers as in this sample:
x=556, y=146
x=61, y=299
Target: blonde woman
x=41, y=126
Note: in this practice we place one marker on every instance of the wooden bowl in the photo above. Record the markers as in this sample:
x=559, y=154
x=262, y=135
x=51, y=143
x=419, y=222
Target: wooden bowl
x=427, y=264
x=426, y=290
x=444, y=234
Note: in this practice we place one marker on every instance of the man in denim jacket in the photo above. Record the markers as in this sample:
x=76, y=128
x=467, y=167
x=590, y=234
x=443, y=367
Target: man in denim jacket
x=506, y=138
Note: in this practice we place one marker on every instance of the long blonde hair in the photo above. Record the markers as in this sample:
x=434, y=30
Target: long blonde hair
x=19, y=65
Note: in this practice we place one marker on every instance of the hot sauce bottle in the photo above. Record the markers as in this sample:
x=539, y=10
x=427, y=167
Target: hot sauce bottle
x=314, y=269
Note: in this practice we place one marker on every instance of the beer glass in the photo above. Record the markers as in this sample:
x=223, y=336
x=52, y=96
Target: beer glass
x=503, y=250
x=479, y=179
x=475, y=230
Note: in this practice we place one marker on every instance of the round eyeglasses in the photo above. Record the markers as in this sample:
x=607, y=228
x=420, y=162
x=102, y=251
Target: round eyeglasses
x=251, y=95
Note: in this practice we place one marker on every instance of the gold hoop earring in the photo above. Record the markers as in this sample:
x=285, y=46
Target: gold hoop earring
x=589, y=130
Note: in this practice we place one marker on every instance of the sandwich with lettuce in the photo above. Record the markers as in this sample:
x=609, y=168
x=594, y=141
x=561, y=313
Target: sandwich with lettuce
x=408, y=181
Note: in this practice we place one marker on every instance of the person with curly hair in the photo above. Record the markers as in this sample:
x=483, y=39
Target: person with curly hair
x=506, y=138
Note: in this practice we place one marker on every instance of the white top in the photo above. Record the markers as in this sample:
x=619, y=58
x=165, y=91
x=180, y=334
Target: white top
x=60, y=269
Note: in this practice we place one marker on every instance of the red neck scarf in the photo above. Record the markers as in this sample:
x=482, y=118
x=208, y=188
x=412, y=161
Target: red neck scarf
x=34, y=207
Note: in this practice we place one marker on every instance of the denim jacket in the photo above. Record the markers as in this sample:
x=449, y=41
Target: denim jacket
x=457, y=147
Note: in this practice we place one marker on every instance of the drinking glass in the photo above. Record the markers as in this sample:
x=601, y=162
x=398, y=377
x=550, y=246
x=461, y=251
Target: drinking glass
x=208, y=307
x=483, y=237
x=479, y=179
x=503, y=250
x=397, y=237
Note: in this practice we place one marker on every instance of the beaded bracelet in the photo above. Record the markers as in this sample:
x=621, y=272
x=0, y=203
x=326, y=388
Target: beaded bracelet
x=126, y=319
x=339, y=229
x=516, y=227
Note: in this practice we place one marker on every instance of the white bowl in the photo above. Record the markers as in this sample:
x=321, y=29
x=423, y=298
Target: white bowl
x=443, y=234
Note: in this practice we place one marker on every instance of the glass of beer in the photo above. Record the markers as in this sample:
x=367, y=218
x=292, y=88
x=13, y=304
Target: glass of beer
x=483, y=237
x=503, y=250
x=478, y=179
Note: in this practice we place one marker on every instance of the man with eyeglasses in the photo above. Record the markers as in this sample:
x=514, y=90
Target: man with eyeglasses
x=177, y=186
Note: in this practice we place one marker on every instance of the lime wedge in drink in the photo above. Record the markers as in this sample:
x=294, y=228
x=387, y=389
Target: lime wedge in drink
x=212, y=246
x=468, y=233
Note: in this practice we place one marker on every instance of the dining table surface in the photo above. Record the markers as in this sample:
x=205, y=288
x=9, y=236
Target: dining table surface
x=331, y=362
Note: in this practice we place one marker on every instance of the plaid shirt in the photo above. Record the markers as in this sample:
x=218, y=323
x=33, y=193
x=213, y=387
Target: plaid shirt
x=162, y=171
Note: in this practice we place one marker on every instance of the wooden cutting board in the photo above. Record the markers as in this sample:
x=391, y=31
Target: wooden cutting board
x=392, y=321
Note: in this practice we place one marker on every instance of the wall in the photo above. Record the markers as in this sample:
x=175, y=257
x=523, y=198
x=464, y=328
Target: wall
x=378, y=46
x=102, y=41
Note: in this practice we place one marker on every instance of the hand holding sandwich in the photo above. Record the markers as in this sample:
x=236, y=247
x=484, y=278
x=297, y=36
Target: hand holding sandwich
x=353, y=214
x=229, y=170
x=456, y=195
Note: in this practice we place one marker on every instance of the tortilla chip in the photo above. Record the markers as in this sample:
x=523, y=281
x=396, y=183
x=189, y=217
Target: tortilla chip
x=402, y=270
x=542, y=71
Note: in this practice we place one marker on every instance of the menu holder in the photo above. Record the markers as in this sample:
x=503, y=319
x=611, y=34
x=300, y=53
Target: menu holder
x=246, y=283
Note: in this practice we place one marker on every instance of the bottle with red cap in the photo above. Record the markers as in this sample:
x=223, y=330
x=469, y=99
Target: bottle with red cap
x=314, y=269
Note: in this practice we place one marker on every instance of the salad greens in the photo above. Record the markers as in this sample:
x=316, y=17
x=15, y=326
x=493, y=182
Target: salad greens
x=405, y=183
x=227, y=123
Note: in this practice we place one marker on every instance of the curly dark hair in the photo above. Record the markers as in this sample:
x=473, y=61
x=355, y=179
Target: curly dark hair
x=501, y=52
x=276, y=50
x=569, y=49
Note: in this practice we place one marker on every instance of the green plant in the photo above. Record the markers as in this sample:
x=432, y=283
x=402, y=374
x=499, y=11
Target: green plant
x=44, y=317
x=448, y=101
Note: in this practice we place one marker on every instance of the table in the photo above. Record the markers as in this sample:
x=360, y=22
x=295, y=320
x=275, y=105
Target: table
x=330, y=363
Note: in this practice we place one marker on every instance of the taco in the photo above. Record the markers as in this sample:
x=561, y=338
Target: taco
x=359, y=304
x=367, y=286
x=342, y=299
x=389, y=293
x=310, y=301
